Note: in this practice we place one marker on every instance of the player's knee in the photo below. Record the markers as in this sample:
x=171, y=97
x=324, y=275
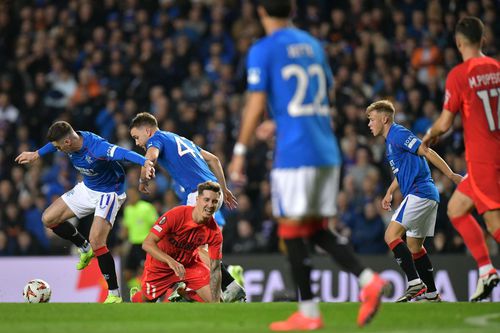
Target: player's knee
x=454, y=210
x=49, y=220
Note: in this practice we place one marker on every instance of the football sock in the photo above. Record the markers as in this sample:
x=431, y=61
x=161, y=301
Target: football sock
x=300, y=263
x=485, y=269
x=340, y=250
x=107, y=266
x=473, y=237
x=233, y=286
x=309, y=309
x=227, y=279
x=403, y=257
x=425, y=270
x=68, y=231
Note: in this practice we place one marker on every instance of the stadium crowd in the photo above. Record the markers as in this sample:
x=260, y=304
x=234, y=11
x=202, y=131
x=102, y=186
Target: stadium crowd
x=96, y=64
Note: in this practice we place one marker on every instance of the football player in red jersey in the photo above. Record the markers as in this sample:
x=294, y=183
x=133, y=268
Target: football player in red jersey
x=172, y=250
x=473, y=89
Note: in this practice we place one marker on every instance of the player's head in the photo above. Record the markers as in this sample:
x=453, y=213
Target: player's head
x=62, y=136
x=208, y=198
x=381, y=116
x=142, y=127
x=469, y=32
x=277, y=9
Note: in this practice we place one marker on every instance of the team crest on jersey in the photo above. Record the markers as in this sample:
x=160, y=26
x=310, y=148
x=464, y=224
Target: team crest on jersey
x=162, y=220
x=253, y=76
x=89, y=159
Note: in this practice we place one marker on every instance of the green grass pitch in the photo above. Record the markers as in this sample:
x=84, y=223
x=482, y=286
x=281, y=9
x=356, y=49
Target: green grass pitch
x=241, y=317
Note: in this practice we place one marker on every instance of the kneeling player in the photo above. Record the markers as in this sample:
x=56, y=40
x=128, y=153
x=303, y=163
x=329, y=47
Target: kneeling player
x=172, y=250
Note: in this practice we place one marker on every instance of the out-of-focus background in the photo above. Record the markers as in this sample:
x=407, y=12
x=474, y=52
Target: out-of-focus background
x=98, y=63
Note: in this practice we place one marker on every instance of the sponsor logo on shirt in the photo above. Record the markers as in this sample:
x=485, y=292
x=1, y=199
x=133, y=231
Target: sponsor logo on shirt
x=253, y=76
x=410, y=142
x=86, y=172
x=111, y=150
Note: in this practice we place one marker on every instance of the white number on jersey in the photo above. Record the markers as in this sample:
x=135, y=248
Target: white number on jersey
x=296, y=107
x=486, y=96
x=183, y=148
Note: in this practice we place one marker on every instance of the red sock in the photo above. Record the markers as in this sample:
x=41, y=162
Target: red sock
x=496, y=235
x=137, y=298
x=473, y=237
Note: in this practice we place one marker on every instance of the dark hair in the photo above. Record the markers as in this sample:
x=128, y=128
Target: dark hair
x=58, y=130
x=471, y=28
x=143, y=118
x=209, y=186
x=277, y=8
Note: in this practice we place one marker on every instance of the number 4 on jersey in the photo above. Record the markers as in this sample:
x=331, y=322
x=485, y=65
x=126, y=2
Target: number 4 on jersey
x=486, y=96
x=183, y=148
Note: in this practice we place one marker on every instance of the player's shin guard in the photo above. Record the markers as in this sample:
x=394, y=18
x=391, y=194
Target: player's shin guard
x=107, y=266
x=403, y=257
x=340, y=250
x=473, y=237
x=424, y=268
x=68, y=231
x=300, y=262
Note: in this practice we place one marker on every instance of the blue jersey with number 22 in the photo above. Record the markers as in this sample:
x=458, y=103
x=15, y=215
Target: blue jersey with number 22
x=290, y=67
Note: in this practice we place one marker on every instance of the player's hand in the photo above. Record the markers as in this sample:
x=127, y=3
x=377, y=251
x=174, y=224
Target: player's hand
x=178, y=268
x=265, y=131
x=236, y=167
x=230, y=199
x=149, y=169
x=386, y=202
x=143, y=186
x=456, y=178
x=428, y=140
x=27, y=157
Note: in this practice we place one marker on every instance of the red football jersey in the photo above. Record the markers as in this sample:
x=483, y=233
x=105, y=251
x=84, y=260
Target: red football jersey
x=180, y=237
x=473, y=88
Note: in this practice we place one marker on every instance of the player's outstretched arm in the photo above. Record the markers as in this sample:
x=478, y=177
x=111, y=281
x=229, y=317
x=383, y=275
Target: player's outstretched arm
x=216, y=167
x=215, y=280
x=439, y=163
x=442, y=125
x=150, y=245
x=30, y=156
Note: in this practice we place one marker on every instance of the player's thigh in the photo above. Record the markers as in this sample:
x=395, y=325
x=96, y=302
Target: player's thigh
x=417, y=215
x=205, y=293
x=56, y=213
x=304, y=193
x=492, y=220
x=461, y=202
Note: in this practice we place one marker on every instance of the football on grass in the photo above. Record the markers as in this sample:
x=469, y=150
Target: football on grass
x=37, y=291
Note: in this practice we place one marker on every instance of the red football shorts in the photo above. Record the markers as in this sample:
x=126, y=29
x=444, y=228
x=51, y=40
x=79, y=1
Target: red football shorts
x=157, y=281
x=482, y=185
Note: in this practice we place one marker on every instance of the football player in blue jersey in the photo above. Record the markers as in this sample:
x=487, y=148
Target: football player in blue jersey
x=416, y=216
x=288, y=71
x=101, y=192
x=188, y=165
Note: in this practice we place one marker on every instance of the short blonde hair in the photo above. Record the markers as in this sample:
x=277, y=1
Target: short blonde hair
x=383, y=105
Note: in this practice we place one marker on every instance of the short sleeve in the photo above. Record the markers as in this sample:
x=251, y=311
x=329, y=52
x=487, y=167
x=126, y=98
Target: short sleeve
x=452, y=98
x=154, y=142
x=163, y=225
x=257, y=74
x=407, y=140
